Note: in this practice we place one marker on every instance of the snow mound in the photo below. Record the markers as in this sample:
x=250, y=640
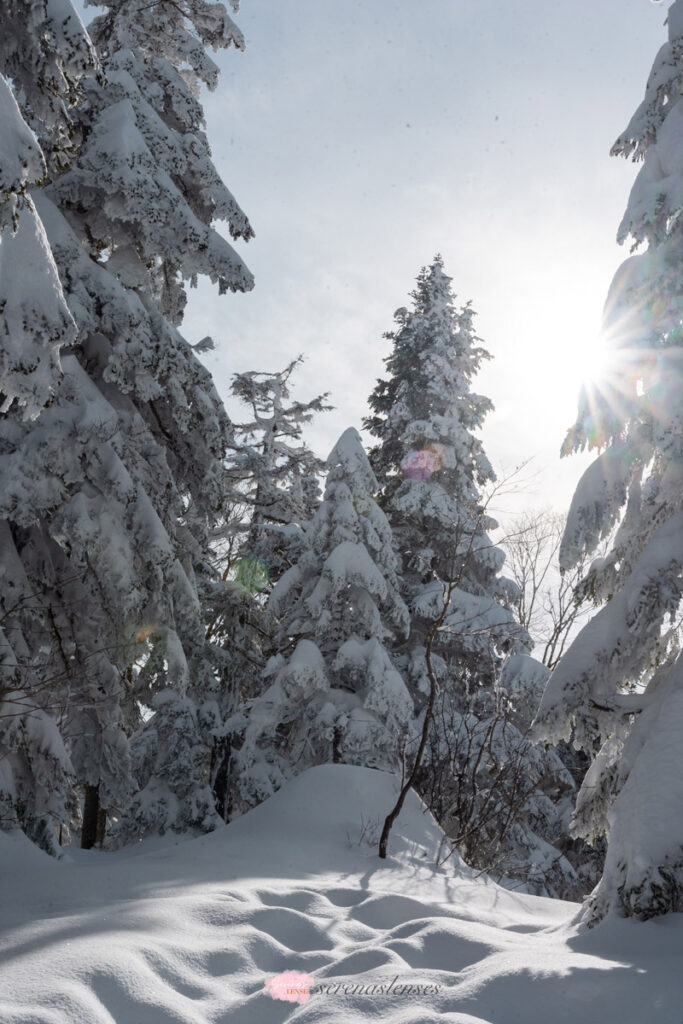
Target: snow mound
x=199, y=931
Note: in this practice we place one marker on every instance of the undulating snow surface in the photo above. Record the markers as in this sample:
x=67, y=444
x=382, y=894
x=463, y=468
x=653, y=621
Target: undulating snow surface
x=192, y=930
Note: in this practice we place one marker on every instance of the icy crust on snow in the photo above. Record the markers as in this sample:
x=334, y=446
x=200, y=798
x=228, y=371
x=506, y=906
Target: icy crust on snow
x=192, y=932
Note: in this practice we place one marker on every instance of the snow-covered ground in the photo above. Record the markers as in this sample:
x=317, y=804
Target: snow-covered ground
x=193, y=931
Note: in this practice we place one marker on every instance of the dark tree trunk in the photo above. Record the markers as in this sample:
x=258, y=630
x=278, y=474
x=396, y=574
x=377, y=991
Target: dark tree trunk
x=336, y=745
x=91, y=812
x=220, y=773
x=101, y=825
x=429, y=714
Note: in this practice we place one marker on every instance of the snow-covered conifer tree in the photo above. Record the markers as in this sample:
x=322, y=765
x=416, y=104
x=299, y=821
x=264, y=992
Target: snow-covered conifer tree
x=278, y=471
x=110, y=492
x=618, y=691
x=335, y=693
x=432, y=470
x=44, y=52
x=275, y=479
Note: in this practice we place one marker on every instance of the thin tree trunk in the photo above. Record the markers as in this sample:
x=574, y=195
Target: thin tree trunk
x=429, y=714
x=336, y=745
x=220, y=756
x=91, y=809
x=101, y=826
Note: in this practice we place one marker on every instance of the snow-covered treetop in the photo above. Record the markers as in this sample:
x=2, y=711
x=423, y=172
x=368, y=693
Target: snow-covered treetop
x=277, y=474
x=336, y=693
x=348, y=461
x=424, y=411
x=429, y=462
x=267, y=394
x=346, y=581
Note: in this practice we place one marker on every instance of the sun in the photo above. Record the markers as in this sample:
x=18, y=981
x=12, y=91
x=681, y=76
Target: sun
x=594, y=361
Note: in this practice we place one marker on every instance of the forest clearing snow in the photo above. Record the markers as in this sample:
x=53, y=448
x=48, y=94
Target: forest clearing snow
x=199, y=931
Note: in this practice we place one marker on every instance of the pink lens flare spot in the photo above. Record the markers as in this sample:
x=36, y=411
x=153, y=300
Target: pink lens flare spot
x=421, y=465
x=290, y=987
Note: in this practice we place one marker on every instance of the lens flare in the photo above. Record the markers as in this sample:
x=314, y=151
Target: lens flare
x=420, y=465
x=143, y=633
x=639, y=370
x=249, y=576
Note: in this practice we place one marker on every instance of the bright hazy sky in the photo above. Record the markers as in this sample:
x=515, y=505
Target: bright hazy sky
x=364, y=136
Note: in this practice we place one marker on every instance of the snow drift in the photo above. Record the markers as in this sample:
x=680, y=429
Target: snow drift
x=193, y=931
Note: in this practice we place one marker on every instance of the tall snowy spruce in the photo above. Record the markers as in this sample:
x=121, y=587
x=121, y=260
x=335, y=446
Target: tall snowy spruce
x=431, y=469
x=108, y=495
x=335, y=694
x=275, y=492
x=619, y=689
x=493, y=792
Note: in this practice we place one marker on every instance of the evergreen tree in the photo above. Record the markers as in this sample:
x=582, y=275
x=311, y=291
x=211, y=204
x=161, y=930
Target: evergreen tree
x=279, y=474
x=110, y=493
x=275, y=491
x=488, y=785
x=43, y=53
x=335, y=693
x=619, y=689
x=432, y=468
